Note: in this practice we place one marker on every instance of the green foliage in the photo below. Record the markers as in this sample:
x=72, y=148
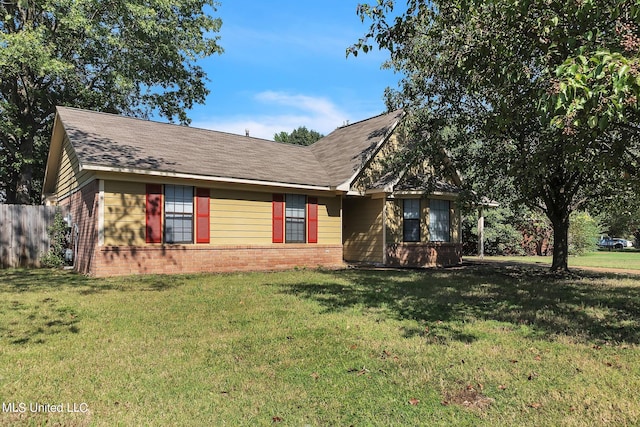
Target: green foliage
x=542, y=95
x=620, y=216
x=508, y=231
x=299, y=136
x=584, y=232
x=123, y=56
x=58, y=243
x=501, y=237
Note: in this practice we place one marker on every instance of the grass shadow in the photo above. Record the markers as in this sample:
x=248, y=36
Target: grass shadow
x=36, y=280
x=27, y=318
x=587, y=306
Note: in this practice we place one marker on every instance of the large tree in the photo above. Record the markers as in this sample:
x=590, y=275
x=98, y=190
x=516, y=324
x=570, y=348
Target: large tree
x=134, y=57
x=299, y=136
x=536, y=97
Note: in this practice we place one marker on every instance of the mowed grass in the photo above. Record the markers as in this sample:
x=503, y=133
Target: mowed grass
x=625, y=259
x=472, y=346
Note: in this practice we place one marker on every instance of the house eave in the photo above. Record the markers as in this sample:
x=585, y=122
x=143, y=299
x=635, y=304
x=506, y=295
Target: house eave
x=53, y=158
x=444, y=194
x=219, y=179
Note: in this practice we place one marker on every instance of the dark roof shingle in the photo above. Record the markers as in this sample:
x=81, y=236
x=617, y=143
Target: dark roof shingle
x=107, y=140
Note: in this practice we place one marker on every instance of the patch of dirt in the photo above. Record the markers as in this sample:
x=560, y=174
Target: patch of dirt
x=468, y=397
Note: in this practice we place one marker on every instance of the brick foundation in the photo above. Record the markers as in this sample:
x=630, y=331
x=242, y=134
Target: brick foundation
x=424, y=254
x=173, y=259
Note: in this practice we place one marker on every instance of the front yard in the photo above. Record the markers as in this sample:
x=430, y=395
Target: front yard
x=477, y=345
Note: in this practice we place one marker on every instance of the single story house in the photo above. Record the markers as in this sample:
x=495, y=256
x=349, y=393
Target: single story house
x=148, y=197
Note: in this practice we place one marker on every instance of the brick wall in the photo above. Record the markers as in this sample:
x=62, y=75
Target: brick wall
x=432, y=254
x=83, y=206
x=172, y=259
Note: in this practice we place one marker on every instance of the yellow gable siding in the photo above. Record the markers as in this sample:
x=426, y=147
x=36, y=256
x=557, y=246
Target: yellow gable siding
x=124, y=213
x=363, y=239
x=69, y=176
x=376, y=169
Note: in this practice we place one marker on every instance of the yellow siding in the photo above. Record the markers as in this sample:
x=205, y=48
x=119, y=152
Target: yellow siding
x=393, y=212
x=363, y=240
x=329, y=221
x=124, y=213
x=455, y=223
x=69, y=176
x=424, y=220
x=245, y=218
x=236, y=217
x=240, y=218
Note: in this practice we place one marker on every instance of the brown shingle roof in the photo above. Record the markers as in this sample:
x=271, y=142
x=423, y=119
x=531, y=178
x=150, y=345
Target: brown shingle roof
x=108, y=140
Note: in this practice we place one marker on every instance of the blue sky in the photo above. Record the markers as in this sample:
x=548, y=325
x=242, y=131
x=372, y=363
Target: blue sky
x=284, y=66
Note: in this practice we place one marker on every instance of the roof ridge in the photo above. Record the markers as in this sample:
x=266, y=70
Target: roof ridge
x=369, y=118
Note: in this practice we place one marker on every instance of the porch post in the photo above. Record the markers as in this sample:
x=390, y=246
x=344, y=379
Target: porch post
x=481, y=232
x=384, y=230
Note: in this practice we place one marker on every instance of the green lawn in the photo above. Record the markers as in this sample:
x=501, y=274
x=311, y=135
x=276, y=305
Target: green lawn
x=471, y=346
x=625, y=259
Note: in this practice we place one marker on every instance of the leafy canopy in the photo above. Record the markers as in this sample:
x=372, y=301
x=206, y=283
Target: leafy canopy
x=299, y=136
x=532, y=98
x=126, y=56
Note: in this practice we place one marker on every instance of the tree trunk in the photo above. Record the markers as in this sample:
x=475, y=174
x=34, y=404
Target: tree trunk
x=25, y=185
x=22, y=186
x=560, y=224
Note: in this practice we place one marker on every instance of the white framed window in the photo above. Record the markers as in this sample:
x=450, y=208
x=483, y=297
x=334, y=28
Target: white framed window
x=178, y=214
x=439, y=230
x=411, y=220
x=295, y=218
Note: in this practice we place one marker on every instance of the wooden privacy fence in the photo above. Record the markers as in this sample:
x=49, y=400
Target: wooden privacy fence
x=23, y=234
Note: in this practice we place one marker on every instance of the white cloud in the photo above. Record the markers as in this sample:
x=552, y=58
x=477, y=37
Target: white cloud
x=289, y=112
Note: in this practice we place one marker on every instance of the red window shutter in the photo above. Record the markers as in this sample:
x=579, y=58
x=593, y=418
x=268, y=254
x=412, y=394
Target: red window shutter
x=153, y=214
x=278, y=218
x=312, y=214
x=202, y=215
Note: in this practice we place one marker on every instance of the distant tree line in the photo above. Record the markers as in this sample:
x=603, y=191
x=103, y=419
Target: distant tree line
x=300, y=136
x=522, y=231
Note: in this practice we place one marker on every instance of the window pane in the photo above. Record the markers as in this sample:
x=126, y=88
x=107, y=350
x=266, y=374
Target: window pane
x=295, y=212
x=295, y=230
x=178, y=228
x=178, y=220
x=439, y=220
x=411, y=208
x=295, y=207
x=411, y=230
x=411, y=220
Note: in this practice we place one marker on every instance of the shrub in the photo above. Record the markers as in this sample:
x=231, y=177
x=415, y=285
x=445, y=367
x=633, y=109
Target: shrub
x=583, y=233
x=58, y=243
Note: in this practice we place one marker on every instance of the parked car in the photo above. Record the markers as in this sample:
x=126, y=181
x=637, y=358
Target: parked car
x=614, y=243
